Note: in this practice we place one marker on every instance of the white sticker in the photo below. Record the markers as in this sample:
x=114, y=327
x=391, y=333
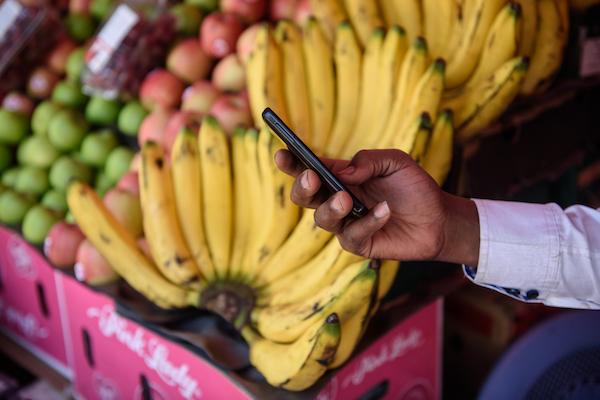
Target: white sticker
x=110, y=37
x=590, y=57
x=9, y=11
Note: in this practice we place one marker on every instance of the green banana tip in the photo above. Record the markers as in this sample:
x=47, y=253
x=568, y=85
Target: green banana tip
x=399, y=30
x=514, y=9
x=239, y=131
x=332, y=319
x=420, y=43
x=345, y=24
x=150, y=143
x=252, y=132
x=210, y=120
x=523, y=64
x=374, y=264
x=378, y=32
x=439, y=65
x=425, y=121
x=447, y=115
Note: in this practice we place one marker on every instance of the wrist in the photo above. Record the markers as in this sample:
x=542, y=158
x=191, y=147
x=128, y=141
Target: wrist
x=460, y=231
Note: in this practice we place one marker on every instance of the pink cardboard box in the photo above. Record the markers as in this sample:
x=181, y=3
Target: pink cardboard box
x=29, y=306
x=114, y=357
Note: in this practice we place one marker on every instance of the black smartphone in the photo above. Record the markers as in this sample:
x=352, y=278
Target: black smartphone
x=310, y=160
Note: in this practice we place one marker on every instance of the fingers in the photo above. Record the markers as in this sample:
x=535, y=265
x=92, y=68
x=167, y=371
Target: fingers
x=330, y=215
x=305, y=191
x=356, y=236
x=287, y=163
x=367, y=164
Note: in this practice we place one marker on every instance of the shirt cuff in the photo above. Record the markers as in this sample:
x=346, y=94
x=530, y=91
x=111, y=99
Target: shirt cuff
x=519, y=245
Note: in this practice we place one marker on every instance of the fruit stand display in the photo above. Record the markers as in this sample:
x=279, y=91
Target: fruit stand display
x=133, y=154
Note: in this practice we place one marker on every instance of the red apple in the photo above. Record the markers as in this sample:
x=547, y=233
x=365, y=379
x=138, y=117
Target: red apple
x=125, y=207
x=219, y=33
x=303, y=12
x=129, y=182
x=232, y=111
x=229, y=75
x=245, y=42
x=18, y=103
x=91, y=266
x=42, y=82
x=282, y=9
x=57, y=59
x=199, y=97
x=79, y=6
x=188, y=61
x=61, y=244
x=177, y=121
x=153, y=126
x=248, y=11
x=161, y=88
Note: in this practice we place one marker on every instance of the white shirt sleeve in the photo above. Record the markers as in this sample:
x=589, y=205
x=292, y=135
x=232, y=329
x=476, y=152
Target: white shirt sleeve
x=539, y=253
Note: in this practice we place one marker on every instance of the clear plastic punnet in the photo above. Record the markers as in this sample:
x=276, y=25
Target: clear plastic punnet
x=27, y=34
x=133, y=40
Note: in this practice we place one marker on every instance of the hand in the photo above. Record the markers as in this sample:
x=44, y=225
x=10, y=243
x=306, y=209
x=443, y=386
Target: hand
x=410, y=217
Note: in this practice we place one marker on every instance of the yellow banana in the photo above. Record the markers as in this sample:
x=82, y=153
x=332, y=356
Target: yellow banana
x=365, y=18
x=529, y=22
x=459, y=18
x=286, y=323
x=478, y=22
x=549, y=48
x=296, y=366
x=161, y=225
x=217, y=192
x=187, y=189
x=387, y=276
x=410, y=16
x=321, y=83
x=425, y=99
x=352, y=330
x=420, y=144
x=489, y=99
x=289, y=39
x=348, y=66
x=412, y=69
x=438, y=155
x=408, y=136
x=438, y=22
x=120, y=249
x=369, y=89
x=331, y=13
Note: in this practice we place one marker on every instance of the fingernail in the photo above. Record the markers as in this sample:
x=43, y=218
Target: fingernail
x=336, y=205
x=304, y=180
x=348, y=170
x=382, y=210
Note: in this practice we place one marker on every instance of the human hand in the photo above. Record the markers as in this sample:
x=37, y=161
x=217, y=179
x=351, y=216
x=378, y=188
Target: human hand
x=410, y=217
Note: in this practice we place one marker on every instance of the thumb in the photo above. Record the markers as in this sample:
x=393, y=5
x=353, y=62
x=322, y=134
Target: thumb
x=369, y=164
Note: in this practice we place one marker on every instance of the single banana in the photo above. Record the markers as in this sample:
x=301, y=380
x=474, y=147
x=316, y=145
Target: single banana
x=405, y=141
x=348, y=61
x=161, y=225
x=412, y=69
x=529, y=22
x=321, y=83
x=187, y=189
x=462, y=65
x=387, y=276
x=501, y=43
x=438, y=22
x=302, y=244
x=296, y=366
x=286, y=323
x=352, y=330
x=217, y=192
x=426, y=98
x=488, y=100
x=369, y=89
x=410, y=16
x=549, y=47
x=120, y=249
x=365, y=18
x=438, y=155
x=331, y=13
x=289, y=39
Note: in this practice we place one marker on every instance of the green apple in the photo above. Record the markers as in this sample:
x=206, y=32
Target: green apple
x=187, y=18
x=37, y=151
x=56, y=201
x=6, y=158
x=131, y=117
x=70, y=218
x=102, y=183
x=67, y=129
x=206, y=5
x=100, y=9
x=75, y=64
x=32, y=181
x=97, y=146
x=102, y=111
x=81, y=27
x=37, y=223
x=66, y=169
x=69, y=93
x=13, y=127
x=42, y=115
x=9, y=177
x=118, y=163
x=13, y=207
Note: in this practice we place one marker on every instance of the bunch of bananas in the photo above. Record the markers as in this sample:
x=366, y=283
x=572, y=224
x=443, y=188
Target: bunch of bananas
x=224, y=235
x=494, y=50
